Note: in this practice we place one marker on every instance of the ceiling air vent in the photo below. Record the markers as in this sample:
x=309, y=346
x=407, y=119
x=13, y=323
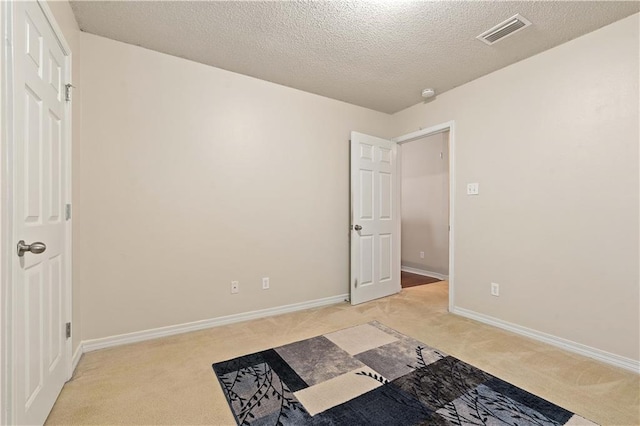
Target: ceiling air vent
x=504, y=29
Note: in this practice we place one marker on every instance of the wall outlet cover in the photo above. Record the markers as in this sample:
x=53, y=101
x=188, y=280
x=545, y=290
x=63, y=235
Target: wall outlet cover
x=495, y=289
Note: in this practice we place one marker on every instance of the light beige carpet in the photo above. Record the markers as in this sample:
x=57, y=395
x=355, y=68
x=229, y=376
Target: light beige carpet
x=170, y=380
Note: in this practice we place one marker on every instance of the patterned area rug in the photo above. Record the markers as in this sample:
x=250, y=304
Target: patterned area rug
x=373, y=375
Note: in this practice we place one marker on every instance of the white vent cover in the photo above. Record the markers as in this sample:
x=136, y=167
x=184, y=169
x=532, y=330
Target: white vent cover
x=504, y=29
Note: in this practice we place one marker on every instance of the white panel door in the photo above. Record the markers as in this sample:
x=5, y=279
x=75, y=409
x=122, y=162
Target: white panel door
x=40, y=309
x=375, y=222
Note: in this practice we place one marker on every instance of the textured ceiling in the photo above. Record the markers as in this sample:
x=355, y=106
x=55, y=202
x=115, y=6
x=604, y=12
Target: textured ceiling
x=377, y=54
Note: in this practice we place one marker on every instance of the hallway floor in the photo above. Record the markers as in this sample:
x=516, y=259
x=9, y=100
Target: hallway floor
x=409, y=279
x=170, y=380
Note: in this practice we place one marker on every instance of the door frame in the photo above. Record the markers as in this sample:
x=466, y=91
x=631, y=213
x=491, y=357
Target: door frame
x=8, y=226
x=422, y=133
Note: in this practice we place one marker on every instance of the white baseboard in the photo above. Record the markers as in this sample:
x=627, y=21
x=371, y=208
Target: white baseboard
x=76, y=358
x=424, y=273
x=571, y=346
x=155, y=333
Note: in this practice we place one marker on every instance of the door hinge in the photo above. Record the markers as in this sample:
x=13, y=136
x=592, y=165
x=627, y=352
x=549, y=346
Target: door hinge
x=67, y=212
x=356, y=283
x=67, y=91
x=68, y=329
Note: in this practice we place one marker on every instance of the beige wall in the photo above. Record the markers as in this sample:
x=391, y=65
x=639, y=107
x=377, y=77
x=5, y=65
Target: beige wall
x=67, y=22
x=217, y=176
x=553, y=142
x=425, y=203
x=191, y=177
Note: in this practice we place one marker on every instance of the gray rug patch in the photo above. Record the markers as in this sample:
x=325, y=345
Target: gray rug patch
x=398, y=358
x=318, y=359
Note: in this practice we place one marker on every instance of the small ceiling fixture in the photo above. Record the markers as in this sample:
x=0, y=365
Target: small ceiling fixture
x=504, y=29
x=428, y=93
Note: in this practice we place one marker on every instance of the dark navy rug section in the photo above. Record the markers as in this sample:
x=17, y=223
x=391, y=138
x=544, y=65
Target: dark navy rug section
x=373, y=375
x=385, y=405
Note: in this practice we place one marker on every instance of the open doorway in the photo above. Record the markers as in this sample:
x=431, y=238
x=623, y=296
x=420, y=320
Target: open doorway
x=439, y=135
x=425, y=209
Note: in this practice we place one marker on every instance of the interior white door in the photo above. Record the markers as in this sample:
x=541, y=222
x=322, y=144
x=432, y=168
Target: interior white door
x=40, y=359
x=375, y=222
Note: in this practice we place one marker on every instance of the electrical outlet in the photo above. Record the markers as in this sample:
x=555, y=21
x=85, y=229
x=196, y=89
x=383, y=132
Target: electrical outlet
x=265, y=283
x=421, y=255
x=235, y=287
x=473, y=188
x=495, y=289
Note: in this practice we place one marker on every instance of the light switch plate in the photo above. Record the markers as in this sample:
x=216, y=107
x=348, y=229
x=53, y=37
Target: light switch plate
x=473, y=188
